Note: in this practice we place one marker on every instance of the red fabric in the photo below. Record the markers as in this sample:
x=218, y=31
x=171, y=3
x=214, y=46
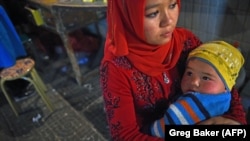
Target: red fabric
x=81, y=42
x=126, y=38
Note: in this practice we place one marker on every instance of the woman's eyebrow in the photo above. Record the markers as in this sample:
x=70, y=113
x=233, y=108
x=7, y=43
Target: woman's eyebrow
x=156, y=4
x=151, y=6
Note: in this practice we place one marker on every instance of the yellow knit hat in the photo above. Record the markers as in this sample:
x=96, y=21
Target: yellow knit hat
x=225, y=58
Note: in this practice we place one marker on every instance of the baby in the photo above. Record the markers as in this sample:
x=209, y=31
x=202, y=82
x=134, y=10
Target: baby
x=210, y=74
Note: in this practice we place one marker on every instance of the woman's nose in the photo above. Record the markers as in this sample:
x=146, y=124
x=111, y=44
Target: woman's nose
x=165, y=19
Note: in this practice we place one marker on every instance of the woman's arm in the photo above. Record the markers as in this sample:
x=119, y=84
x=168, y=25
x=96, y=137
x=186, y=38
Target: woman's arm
x=119, y=106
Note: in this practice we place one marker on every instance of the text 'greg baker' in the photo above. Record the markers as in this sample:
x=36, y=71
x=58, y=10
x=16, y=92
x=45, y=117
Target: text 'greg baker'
x=195, y=132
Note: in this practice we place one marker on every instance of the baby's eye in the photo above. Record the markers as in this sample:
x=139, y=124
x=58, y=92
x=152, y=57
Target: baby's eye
x=189, y=73
x=152, y=15
x=206, y=78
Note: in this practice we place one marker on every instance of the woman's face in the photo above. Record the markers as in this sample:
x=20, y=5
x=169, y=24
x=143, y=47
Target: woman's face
x=160, y=20
x=201, y=77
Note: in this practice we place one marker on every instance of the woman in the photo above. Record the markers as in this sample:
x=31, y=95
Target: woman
x=144, y=59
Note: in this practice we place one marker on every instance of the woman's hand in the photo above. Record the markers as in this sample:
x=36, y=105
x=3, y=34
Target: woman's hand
x=219, y=120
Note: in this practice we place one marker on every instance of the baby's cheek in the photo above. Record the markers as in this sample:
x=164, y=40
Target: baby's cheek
x=185, y=84
x=212, y=88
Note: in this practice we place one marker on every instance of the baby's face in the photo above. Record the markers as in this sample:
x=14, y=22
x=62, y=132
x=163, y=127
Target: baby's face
x=201, y=77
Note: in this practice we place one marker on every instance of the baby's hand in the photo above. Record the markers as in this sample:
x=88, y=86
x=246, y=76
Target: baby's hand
x=219, y=120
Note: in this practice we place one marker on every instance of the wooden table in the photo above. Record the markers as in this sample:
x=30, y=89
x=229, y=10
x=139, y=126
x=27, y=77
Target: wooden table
x=65, y=16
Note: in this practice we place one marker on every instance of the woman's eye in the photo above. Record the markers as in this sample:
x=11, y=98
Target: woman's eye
x=172, y=6
x=152, y=15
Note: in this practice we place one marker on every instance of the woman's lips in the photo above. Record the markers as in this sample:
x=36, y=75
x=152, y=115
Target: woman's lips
x=166, y=34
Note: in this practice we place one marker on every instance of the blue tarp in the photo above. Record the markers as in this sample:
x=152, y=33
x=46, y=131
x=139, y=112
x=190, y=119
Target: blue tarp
x=11, y=46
